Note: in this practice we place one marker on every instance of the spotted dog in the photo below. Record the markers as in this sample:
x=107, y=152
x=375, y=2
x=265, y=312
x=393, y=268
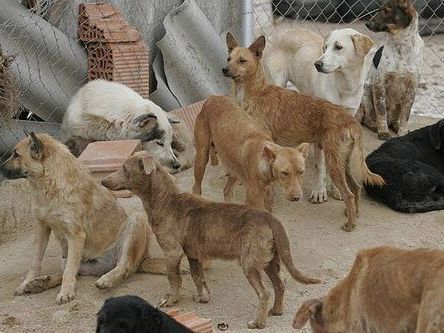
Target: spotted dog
x=396, y=70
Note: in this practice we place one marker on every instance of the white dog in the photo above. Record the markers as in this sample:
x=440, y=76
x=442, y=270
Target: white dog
x=103, y=110
x=334, y=68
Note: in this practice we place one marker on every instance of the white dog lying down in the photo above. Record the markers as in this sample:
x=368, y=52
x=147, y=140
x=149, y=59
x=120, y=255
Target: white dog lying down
x=333, y=68
x=103, y=110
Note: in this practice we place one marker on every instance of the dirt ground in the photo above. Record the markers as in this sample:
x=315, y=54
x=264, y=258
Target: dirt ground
x=320, y=249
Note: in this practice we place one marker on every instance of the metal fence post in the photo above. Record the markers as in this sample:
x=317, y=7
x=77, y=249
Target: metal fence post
x=247, y=21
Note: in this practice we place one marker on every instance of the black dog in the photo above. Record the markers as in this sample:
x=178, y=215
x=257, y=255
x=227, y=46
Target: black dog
x=413, y=168
x=132, y=314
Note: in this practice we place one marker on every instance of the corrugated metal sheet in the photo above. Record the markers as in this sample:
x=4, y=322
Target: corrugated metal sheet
x=193, y=55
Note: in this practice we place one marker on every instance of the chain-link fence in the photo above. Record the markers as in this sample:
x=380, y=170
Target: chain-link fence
x=324, y=16
x=49, y=48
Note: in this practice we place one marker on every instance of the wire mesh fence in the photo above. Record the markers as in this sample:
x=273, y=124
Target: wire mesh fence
x=323, y=16
x=50, y=48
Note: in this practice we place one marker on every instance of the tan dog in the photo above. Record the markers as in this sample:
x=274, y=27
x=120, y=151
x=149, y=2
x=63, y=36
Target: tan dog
x=185, y=223
x=292, y=118
x=95, y=233
x=246, y=153
x=388, y=290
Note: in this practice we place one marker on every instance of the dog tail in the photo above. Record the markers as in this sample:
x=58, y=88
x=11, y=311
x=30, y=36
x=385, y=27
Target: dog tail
x=283, y=250
x=357, y=165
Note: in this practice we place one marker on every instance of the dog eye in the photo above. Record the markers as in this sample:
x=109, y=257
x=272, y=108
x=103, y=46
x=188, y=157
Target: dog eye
x=285, y=173
x=160, y=143
x=339, y=47
x=242, y=61
x=228, y=59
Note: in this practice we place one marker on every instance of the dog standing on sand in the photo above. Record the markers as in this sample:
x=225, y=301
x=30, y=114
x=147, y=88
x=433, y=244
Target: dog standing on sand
x=186, y=224
x=247, y=154
x=388, y=290
x=292, y=118
x=95, y=234
x=334, y=68
x=396, y=73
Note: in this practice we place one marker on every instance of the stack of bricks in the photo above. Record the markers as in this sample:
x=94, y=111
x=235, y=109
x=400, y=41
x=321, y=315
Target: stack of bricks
x=116, y=51
x=192, y=321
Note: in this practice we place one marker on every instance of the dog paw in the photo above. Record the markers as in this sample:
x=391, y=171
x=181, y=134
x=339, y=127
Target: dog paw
x=255, y=325
x=402, y=131
x=348, y=227
x=203, y=298
x=34, y=286
x=65, y=297
x=168, y=300
x=384, y=136
x=102, y=284
x=21, y=290
x=276, y=312
x=317, y=197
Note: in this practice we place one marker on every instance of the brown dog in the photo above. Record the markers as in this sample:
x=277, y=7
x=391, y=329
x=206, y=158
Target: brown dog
x=96, y=235
x=388, y=290
x=185, y=223
x=247, y=154
x=292, y=118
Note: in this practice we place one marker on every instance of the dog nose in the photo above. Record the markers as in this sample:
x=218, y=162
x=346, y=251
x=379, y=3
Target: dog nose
x=175, y=165
x=225, y=70
x=319, y=64
x=369, y=25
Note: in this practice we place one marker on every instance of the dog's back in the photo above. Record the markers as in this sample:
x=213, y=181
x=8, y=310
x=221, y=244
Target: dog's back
x=133, y=314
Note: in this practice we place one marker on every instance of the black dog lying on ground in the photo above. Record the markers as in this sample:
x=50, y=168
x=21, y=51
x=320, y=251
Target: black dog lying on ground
x=132, y=314
x=413, y=168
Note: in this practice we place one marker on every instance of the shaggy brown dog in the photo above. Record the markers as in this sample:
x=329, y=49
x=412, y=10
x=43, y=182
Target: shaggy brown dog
x=96, y=235
x=185, y=223
x=388, y=290
x=247, y=154
x=292, y=118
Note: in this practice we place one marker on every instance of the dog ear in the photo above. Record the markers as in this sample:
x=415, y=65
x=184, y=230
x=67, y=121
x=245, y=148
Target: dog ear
x=36, y=148
x=363, y=44
x=306, y=311
x=435, y=134
x=231, y=42
x=147, y=164
x=404, y=4
x=268, y=154
x=145, y=120
x=257, y=47
x=303, y=149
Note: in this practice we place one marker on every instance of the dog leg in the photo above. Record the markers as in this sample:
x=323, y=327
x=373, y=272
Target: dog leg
x=319, y=193
x=406, y=107
x=203, y=147
x=75, y=250
x=254, y=277
x=336, y=170
x=356, y=188
x=272, y=271
x=229, y=187
x=380, y=109
x=198, y=275
x=174, y=278
x=41, y=242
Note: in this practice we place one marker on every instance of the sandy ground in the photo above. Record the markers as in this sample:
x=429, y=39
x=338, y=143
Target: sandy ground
x=319, y=247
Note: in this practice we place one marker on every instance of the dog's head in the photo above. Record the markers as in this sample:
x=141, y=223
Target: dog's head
x=135, y=174
x=157, y=139
x=243, y=62
x=286, y=166
x=127, y=314
x=393, y=16
x=27, y=159
x=436, y=134
x=342, y=49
